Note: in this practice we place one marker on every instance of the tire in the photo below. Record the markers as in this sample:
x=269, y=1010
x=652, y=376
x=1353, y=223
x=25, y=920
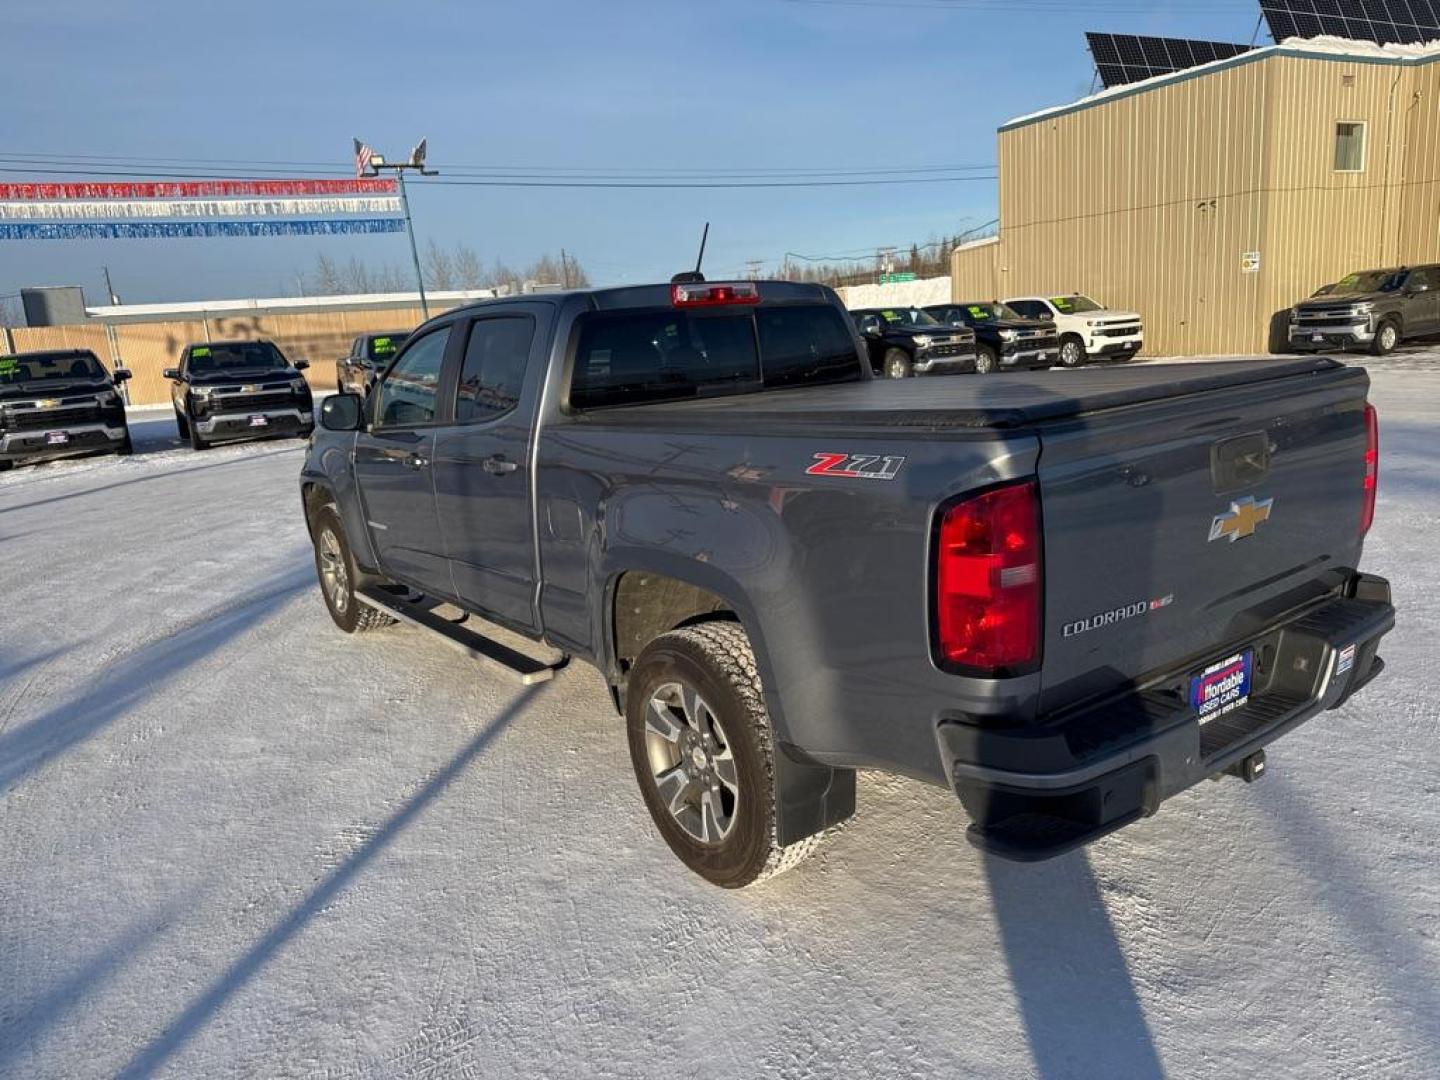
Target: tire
x=182, y=427
x=986, y=361
x=1386, y=338
x=897, y=364
x=1072, y=353
x=196, y=442
x=6, y=466
x=335, y=569
x=126, y=448
x=707, y=672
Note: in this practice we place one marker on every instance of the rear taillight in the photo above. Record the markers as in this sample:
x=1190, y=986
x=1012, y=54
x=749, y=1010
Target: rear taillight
x=1372, y=468
x=988, y=580
x=704, y=294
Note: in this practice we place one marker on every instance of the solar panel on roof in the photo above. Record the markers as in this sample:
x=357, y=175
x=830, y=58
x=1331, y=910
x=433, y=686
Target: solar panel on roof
x=1128, y=58
x=1385, y=22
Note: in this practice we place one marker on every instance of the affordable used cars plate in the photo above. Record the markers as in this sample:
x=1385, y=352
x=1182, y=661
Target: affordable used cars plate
x=259, y=421
x=57, y=438
x=1222, y=686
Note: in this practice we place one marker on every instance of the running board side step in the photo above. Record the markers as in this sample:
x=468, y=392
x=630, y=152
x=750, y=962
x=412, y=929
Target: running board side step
x=474, y=645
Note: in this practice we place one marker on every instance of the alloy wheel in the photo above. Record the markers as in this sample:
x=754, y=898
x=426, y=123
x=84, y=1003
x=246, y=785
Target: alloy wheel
x=691, y=762
x=334, y=575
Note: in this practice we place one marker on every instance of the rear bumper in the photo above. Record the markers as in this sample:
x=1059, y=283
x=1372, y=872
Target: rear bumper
x=79, y=439
x=242, y=425
x=1040, y=791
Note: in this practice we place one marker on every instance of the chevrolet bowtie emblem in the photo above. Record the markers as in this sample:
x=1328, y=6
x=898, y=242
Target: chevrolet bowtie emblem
x=48, y=403
x=1241, y=520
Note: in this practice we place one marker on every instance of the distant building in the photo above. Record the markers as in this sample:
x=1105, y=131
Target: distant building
x=1213, y=199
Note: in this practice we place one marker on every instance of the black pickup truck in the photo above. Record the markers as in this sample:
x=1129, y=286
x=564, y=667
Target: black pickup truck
x=1007, y=340
x=54, y=404
x=226, y=390
x=1372, y=309
x=902, y=342
x=357, y=371
x=1067, y=598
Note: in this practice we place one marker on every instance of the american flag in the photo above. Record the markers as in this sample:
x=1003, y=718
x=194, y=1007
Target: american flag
x=363, y=154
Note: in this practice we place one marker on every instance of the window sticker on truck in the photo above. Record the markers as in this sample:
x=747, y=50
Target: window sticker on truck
x=856, y=466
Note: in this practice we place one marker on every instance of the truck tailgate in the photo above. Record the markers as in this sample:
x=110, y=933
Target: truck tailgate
x=1175, y=529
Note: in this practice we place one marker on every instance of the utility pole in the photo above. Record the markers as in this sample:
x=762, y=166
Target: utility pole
x=753, y=268
x=369, y=163
x=564, y=269
x=110, y=289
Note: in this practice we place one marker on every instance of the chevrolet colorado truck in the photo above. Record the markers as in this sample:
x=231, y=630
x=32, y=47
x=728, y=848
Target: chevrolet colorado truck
x=227, y=390
x=1372, y=309
x=1006, y=339
x=55, y=404
x=1088, y=329
x=1066, y=598
x=903, y=342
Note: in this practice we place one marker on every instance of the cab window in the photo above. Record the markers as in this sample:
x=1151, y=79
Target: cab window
x=407, y=397
x=495, y=360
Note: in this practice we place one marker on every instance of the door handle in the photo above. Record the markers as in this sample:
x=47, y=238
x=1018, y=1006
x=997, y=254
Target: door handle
x=496, y=465
x=417, y=461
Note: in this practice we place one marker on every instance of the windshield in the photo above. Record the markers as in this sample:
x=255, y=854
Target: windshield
x=384, y=346
x=990, y=312
x=1370, y=281
x=241, y=356
x=40, y=367
x=1075, y=305
x=907, y=317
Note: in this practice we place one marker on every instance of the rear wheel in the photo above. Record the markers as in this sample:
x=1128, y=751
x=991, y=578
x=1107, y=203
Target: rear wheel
x=986, y=361
x=1386, y=338
x=897, y=364
x=1072, y=352
x=335, y=567
x=704, y=754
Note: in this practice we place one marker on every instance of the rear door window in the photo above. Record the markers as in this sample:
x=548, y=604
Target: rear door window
x=495, y=360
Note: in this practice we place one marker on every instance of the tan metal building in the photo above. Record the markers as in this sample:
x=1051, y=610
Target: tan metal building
x=1211, y=200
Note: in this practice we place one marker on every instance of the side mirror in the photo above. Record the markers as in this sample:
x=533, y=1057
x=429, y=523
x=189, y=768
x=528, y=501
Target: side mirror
x=342, y=412
x=300, y=365
x=120, y=374
x=171, y=373
x=1416, y=290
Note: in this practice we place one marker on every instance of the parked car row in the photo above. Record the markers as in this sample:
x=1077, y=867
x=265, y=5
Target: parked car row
x=985, y=336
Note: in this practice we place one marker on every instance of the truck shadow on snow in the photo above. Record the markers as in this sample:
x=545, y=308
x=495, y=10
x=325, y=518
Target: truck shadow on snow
x=139, y=674
x=179, y=1031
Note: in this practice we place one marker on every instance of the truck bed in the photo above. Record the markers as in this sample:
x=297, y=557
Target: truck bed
x=998, y=401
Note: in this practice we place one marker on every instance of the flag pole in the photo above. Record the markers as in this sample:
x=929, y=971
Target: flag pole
x=369, y=163
x=414, y=251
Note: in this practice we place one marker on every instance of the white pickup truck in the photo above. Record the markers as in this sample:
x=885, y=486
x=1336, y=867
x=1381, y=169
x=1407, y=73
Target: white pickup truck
x=1088, y=329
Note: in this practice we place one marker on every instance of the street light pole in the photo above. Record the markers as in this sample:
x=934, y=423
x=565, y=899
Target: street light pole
x=369, y=163
x=414, y=251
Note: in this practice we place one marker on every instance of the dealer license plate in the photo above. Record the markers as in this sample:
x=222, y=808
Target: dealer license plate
x=1223, y=686
x=1318, y=339
x=57, y=438
x=259, y=421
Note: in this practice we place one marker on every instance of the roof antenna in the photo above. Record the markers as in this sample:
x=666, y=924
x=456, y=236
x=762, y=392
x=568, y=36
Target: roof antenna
x=690, y=277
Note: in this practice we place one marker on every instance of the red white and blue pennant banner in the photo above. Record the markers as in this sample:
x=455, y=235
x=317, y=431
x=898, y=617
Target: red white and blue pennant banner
x=106, y=211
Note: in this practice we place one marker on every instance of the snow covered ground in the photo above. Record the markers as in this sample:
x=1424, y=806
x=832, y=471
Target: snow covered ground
x=236, y=843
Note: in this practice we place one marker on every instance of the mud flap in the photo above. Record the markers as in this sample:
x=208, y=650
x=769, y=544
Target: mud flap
x=809, y=798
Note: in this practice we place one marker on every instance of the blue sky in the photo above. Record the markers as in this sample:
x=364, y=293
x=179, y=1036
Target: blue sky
x=630, y=85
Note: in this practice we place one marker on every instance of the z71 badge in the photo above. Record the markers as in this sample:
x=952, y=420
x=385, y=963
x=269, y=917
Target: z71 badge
x=856, y=466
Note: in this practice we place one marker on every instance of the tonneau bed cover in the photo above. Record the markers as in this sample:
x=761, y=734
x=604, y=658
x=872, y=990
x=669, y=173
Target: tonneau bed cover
x=959, y=402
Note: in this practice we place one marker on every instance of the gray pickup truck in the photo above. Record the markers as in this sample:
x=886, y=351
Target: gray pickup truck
x=1066, y=598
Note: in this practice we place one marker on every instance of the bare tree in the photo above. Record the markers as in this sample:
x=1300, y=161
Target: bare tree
x=324, y=280
x=439, y=267
x=468, y=268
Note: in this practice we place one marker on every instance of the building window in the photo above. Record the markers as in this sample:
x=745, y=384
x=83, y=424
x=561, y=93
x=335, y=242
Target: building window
x=1350, y=146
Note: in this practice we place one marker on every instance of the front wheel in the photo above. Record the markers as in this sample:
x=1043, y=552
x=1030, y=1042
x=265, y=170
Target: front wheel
x=1386, y=338
x=897, y=364
x=704, y=754
x=335, y=567
x=196, y=441
x=126, y=448
x=986, y=361
x=1072, y=353
x=182, y=426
